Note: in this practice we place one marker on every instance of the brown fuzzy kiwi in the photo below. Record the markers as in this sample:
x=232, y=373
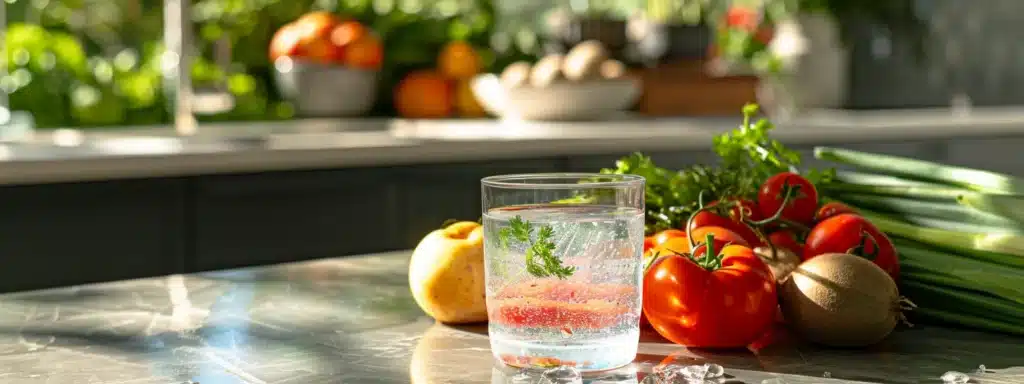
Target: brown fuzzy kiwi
x=841, y=300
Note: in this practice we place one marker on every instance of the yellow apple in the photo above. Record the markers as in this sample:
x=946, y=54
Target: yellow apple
x=446, y=274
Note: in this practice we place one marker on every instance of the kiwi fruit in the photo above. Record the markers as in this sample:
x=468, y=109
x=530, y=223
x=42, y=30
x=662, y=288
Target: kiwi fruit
x=583, y=62
x=547, y=71
x=840, y=300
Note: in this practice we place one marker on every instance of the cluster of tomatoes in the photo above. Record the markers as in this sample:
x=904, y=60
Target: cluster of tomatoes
x=706, y=285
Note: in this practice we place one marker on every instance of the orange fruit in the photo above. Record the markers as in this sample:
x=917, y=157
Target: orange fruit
x=348, y=32
x=465, y=101
x=285, y=42
x=318, y=23
x=424, y=94
x=322, y=51
x=366, y=52
x=459, y=60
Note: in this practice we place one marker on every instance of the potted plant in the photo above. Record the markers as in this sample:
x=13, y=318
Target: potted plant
x=800, y=47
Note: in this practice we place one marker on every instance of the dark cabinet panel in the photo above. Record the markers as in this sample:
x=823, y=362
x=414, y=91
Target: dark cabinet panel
x=286, y=216
x=665, y=159
x=66, y=234
x=432, y=194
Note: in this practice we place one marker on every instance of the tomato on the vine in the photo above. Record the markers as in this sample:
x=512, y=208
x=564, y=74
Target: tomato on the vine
x=742, y=209
x=720, y=233
x=832, y=208
x=786, y=240
x=710, y=219
x=663, y=236
x=851, y=233
x=727, y=301
x=803, y=197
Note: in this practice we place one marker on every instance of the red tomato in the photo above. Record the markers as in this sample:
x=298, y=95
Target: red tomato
x=710, y=219
x=845, y=232
x=663, y=236
x=786, y=240
x=729, y=307
x=833, y=208
x=672, y=245
x=648, y=243
x=802, y=203
x=720, y=234
x=745, y=209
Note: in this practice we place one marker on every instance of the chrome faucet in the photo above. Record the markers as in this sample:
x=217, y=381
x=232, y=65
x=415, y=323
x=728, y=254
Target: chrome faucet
x=177, y=63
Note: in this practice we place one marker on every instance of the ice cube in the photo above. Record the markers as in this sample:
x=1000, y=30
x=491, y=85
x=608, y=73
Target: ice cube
x=523, y=377
x=954, y=377
x=562, y=375
x=713, y=371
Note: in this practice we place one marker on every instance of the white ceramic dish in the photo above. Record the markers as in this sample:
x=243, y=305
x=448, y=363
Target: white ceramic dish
x=560, y=101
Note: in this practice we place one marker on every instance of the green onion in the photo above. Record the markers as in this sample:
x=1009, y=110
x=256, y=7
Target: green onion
x=919, y=212
x=1006, y=249
x=932, y=295
x=1008, y=206
x=850, y=177
x=973, y=179
x=962, y=318
x=947, y=194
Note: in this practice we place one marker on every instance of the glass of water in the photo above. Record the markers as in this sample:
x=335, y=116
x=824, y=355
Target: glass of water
x=563, y=259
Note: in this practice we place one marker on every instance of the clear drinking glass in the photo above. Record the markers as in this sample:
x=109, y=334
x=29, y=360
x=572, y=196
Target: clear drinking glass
x=563, y=260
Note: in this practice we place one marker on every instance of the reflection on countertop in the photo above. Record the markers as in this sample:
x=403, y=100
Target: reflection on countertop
x=127, y=152
x=352, y=320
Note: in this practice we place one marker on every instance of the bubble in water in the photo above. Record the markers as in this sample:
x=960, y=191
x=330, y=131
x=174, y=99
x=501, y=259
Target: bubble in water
x=981, y=368
x=827, y=374
x=954, y=377
x=562, y=375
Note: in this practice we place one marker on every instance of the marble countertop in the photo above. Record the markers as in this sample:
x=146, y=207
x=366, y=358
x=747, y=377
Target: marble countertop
x=80, y=155
x=352, y=320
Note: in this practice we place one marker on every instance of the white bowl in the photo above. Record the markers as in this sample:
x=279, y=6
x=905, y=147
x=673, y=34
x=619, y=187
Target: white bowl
x=559, y=101
x=319, y=90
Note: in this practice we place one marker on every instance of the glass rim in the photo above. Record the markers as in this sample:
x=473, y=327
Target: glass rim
x=522, y=180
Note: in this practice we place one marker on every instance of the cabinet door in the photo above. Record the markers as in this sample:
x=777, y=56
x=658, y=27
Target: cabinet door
x=67, y=234
x=278, y=217
x=432, y=194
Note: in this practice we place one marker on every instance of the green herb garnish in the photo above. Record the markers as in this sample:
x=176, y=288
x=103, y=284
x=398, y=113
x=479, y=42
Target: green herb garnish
x=540, y=258
x=747, y=156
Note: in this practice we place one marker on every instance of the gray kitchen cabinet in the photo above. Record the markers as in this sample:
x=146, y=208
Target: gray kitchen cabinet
x=997, y=154
x=75, y=233
x=267, y=218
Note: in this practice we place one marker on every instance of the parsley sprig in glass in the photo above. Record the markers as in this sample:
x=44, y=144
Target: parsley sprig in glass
x=540, y=258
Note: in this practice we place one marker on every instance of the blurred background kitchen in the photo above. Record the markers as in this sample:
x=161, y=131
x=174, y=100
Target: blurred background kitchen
x=146, y=138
